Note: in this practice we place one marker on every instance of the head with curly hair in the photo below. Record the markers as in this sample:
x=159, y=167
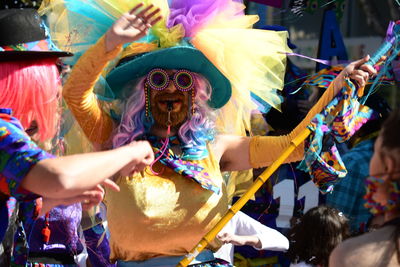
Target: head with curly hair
x=316, y=234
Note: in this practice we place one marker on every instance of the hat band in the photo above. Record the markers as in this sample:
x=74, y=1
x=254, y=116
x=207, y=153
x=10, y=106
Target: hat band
x=39, y=46
x=44, y=45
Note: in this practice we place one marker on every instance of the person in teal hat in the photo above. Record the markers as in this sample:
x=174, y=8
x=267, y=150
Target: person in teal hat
x=171, y=89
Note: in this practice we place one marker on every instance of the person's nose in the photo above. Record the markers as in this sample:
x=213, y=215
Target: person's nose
x=171, y=88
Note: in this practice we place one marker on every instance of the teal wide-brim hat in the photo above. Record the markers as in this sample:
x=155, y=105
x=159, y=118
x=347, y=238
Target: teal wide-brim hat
x=183, y=56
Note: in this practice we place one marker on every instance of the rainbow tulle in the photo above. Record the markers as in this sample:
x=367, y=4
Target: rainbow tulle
x=253, y=60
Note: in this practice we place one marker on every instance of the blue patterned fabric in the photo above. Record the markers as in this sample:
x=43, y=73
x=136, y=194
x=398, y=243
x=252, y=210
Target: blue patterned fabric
x=340, y=119
x=186, y=168
x=348, y=193
x=18, y=153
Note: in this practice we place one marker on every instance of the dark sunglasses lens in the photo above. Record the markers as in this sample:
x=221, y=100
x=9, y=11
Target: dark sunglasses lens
x=184, y=80
x=158, y=79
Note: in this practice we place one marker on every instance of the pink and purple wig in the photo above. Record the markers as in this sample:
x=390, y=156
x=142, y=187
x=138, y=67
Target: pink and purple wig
x=195, y=132
x=31, y=89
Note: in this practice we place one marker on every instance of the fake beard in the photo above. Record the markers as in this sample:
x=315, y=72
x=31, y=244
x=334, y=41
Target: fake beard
x=177, y=117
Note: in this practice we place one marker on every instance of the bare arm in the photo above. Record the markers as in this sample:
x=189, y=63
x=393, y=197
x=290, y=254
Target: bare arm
x=70, y=176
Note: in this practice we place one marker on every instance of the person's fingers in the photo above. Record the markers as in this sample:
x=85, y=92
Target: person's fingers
x=383, y=58
x=303, y=110
x=133, y=173
x=93, y=194
x=368, y=68
x=135, y=22
x=142, y=13
x=361, y=61
x=361, y=73
x=154, y=21
x=358, y=79
x=88, y=198
x=139, y=167
x=111, y=184
x=99, y=188
x=149, y=159
x=303, y=104
x=365, y=75
x=142, y=28
x=90, y=204
x=151, y=15
x=129, y=170
x=135, y=8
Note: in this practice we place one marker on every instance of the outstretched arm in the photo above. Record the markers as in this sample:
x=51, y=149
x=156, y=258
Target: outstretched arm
x=253, y=233
x=70, y=176
x=241, y=153
x=240, y=240
x=27, y=172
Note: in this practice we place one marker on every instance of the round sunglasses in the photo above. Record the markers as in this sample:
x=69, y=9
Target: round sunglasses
x=158, y=79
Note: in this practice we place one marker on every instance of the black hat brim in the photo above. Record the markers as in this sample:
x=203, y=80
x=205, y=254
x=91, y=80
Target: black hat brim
x=31, y=55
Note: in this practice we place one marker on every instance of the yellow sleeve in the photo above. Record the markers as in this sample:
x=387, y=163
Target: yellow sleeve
x=264, y=150
x=78, y=92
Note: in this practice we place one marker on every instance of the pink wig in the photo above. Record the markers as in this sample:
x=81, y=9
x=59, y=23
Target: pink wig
x=31, y=89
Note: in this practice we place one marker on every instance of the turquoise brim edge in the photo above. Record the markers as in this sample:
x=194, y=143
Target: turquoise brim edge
x=188, y=58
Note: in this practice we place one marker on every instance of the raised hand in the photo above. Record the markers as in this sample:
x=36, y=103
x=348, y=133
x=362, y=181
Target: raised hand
x=358, y=71
x=131, y=26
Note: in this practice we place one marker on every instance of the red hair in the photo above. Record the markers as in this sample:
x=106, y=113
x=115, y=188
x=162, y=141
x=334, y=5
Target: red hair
x=32, y=90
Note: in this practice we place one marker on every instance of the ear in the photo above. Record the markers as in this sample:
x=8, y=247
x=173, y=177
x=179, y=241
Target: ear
x=390, y=163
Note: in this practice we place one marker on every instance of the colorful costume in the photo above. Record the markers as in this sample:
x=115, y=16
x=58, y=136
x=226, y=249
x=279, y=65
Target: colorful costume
x=163, y=216
x=157, y=204
x=18, y=154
